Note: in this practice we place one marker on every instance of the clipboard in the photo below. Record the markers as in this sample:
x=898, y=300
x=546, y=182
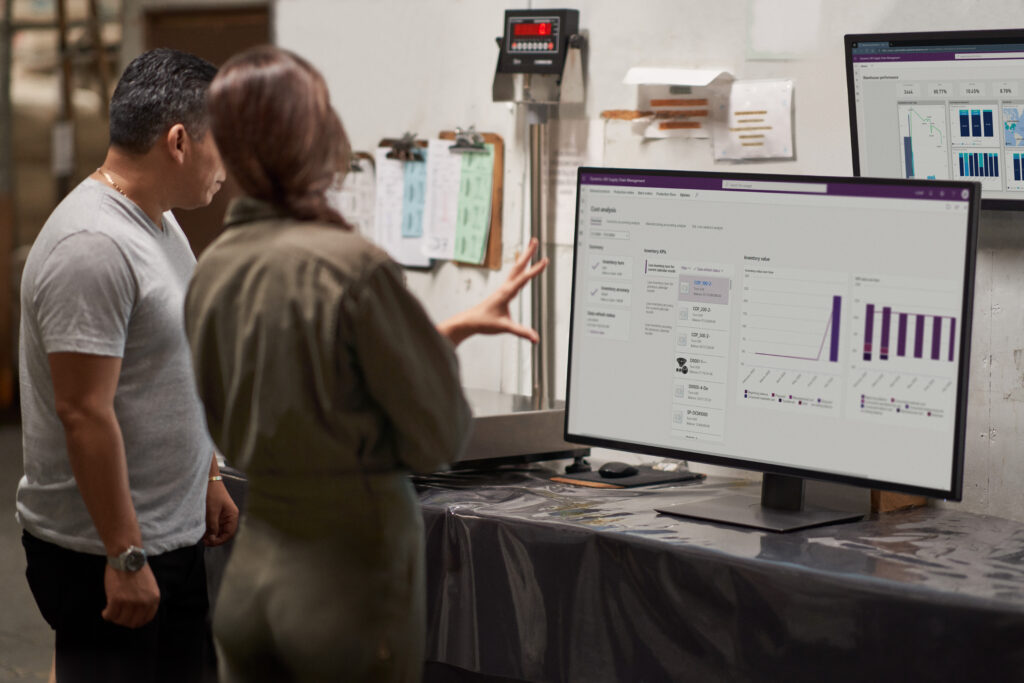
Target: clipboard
x=492, y=258
x=406, y=253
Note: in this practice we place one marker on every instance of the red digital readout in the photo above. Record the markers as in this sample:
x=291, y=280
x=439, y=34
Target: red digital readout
x=536, y=29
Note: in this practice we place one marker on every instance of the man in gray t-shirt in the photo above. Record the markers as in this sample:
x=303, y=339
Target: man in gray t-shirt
x=102, y=279
x=121, y=487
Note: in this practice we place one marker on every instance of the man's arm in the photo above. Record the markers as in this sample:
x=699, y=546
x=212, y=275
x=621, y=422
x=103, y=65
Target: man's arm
x=84, y=387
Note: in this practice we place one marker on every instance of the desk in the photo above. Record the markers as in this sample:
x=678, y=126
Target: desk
x=549, y=582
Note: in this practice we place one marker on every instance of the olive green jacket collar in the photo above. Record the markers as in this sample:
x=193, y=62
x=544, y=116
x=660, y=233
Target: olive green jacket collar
x=246, y=209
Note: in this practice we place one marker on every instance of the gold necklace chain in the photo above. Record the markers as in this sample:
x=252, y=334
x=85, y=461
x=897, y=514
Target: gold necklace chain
x=113, y=184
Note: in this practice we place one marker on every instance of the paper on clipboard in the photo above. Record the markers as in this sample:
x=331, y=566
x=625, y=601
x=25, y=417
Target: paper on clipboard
x=473, y=221
x=441, y=207
x=390, y=211
x=355, y=199
x=414, y=197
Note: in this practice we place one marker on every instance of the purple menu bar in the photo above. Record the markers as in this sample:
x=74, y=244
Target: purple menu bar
x=929, y=56
x=818, y=187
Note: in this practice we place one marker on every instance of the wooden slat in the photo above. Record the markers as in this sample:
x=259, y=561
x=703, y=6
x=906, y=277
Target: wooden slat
x=887, y=501
x=7, y=325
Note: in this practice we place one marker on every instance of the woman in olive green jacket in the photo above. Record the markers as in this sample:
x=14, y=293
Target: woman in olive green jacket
x=324, y=380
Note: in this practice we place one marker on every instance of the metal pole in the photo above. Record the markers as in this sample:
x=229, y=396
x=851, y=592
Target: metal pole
x=538, y=307
x=7, y=324
x=65, y=116
x=100, y=56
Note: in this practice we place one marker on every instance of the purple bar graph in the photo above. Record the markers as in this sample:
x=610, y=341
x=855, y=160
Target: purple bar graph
x=902, y=331
x=919, y=336
x=883, y=351
x=833, y=351
x=952, y=338
x=901, y=336
x=869, y=327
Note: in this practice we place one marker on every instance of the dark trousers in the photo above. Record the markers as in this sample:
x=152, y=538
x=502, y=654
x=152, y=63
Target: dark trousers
x=176, y=646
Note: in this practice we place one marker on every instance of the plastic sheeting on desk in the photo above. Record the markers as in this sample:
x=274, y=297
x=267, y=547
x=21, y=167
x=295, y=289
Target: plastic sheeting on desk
x=548, y=582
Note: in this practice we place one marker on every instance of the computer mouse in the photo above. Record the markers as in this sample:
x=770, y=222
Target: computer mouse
x=612, y=470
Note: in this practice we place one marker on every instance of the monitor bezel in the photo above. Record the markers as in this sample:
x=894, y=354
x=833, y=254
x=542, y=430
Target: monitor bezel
x=955, y=491
x=925, y=38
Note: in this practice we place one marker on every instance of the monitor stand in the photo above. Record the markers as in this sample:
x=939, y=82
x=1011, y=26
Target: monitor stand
x=781, y=508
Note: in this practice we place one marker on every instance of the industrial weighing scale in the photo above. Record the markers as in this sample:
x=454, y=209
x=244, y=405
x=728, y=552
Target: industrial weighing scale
x=540, y=65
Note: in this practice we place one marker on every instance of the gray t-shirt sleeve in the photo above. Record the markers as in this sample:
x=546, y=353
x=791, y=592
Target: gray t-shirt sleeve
x=84, y=296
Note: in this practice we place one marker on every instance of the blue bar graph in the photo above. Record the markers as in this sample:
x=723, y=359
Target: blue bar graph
x=908, y=150
x=908, y=153
x=977, y=123
x=984, y=164
x=1016, y=166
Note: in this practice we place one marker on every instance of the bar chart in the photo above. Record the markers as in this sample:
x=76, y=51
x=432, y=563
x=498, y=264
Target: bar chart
x=905, y=349
x=979, y=164
x=1014, y=170
x=974, y=125
x=931, y=337
x=984, y=165
x=925, y=152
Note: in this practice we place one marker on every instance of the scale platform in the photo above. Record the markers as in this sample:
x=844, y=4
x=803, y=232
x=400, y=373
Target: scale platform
x=508, y=428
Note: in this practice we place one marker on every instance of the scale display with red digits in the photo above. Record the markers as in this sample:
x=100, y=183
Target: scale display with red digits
x=537, y=41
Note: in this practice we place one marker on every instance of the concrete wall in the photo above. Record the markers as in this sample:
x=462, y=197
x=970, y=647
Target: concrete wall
x=396, y=66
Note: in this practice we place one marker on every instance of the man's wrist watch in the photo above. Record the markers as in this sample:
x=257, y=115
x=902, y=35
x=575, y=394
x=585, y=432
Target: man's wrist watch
x=131, y=560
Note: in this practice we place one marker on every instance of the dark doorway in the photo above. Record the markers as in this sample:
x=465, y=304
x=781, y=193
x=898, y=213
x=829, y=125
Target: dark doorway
x=214, y=34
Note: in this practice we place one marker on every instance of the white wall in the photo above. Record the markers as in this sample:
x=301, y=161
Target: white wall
x=427, y=65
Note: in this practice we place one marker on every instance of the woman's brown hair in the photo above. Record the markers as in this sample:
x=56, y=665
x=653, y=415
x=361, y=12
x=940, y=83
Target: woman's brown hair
x=271, y=117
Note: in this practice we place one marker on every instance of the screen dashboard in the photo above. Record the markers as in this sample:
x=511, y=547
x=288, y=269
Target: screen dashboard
x=774, y=323
x=941, y=106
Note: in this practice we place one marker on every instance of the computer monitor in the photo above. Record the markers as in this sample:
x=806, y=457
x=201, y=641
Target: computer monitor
x=943, y=106
x=802, y=326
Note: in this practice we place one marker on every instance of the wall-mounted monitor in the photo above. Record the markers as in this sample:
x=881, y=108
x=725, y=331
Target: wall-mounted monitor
x=940, y=106
x=812, y=327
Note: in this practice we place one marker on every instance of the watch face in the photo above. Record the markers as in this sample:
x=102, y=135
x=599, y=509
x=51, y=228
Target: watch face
x=134, y=560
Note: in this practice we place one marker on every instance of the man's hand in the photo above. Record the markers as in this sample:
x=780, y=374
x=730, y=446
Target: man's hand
x=221, y=515
x=132, y=597
x=491, y=316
